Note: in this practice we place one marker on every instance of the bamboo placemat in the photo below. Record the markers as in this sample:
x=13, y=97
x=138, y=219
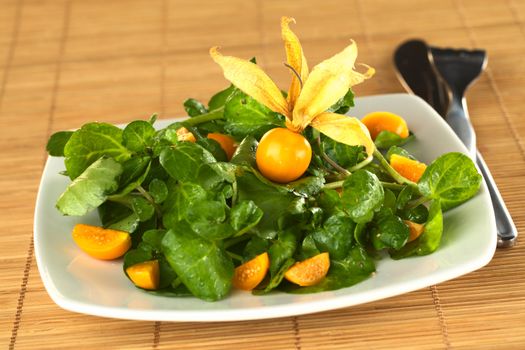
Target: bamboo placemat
x=66, y=62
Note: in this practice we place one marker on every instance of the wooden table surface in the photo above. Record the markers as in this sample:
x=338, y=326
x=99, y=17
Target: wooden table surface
x=66, y=62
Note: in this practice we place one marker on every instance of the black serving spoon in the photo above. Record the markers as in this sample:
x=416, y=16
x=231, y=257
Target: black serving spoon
x=441, y=77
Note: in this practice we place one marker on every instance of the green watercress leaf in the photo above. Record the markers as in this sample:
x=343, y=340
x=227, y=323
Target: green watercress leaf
x=219, y=99
x=389, y=231
x=245, y=215
x=336, y=236
x=418, y=214
x=90, y=143
x=344, y=155
x=138, y=135
x=308, y=186
x=255, y=246
x=180, y=196
x=183, y=161
x=245, y=152
x=194, y=107
x=281, y=250
x=57, y=142
x=203, y=267
x=429, y=240
x=386, y=139
x=142, y=208
x=158, y=190
x=91, y=188
x=245, y=116
x=362, y=195
x=452, y=179
x=272, y=199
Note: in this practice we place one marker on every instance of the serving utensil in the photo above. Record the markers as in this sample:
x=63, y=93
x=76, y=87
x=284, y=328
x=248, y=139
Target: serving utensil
x=441, y=77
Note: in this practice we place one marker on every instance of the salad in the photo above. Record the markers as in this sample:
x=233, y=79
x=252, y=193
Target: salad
x=260, y=189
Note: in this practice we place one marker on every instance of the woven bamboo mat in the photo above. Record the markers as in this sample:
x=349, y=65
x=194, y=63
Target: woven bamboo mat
x=66, y=62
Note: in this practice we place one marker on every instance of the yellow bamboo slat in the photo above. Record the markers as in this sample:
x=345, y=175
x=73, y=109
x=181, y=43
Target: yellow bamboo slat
x=66, y=62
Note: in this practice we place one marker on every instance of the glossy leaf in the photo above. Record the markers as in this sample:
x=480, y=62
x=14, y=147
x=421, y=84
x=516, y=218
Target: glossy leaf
x=91, y=188
x=202, y=266
x=452, y=179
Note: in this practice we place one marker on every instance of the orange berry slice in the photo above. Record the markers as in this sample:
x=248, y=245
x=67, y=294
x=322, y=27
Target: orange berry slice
x=385, y=121
x=408, y=168
x=101, y=243
x=184, y=134
x=248, y=275
x=309, y=272
x=415, y=230
x=227, y=143
x=145, y=275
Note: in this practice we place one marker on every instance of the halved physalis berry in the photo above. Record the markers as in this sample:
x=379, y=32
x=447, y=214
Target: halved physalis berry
x=385, y=121
x=145, y=275
x=227, y=143
x=408, y=168
x=415, y=230
x=248, y=275
x=101, y=243
x=309, y=272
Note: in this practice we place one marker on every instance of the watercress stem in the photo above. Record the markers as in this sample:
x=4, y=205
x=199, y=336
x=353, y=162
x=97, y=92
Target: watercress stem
x=233, y=241
x=235, y=256
x=392, y=186
x=331, y=161
x=361, y=164
x=416, y=202
x=333, y=185
x=150, y=199
x=203, y=118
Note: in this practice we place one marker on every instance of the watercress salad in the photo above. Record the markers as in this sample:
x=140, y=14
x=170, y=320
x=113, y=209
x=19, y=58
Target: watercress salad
x=201, y=219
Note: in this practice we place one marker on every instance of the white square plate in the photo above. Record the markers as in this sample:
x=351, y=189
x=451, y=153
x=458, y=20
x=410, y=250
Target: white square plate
x=82, y=284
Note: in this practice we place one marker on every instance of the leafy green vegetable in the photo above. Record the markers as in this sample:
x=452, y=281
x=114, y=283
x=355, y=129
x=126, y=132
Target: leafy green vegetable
x=245, y=153
x=452, y=179
x=183, y=161
x=389, y=231
x=194, y=107
x=273, y=200
x=336, y=236
x=138, y=136
x=91, y=188
x=282, y=250
x=57, y=142
x=244, y=216
x=429, y=240
x=386, y=139
x=245, y=116
x=219, y=99
x=180, y=196
x=91, y=142
x=362, y=195
x=203, y=267
x=158, y=190
x=142, y=208
x=344, y=155
x=417, y=214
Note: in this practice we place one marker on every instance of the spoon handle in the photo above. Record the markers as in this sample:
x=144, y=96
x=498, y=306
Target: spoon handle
x=507, y=232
